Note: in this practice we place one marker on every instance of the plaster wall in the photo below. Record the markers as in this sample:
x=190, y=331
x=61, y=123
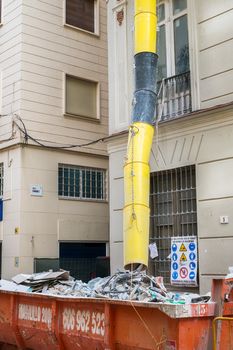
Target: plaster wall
x=205, y=140
x=33, y=226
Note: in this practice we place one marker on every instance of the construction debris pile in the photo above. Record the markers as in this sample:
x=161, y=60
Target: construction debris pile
x=123, y=285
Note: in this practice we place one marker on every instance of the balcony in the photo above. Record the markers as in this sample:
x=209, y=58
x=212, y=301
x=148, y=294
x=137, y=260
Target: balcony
x=174, y=97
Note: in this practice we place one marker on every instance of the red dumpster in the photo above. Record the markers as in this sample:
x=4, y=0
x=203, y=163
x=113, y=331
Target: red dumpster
x=34, y=321
x=223, y=323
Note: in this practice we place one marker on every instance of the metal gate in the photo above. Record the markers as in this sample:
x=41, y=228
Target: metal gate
x=173, y=212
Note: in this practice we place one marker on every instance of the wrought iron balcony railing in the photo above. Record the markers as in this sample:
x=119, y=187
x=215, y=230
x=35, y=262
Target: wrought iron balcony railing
x=174, y=96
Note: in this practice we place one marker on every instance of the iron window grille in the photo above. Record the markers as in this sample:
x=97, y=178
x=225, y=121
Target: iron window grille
x=173, y=213
x=1, y=179
x=81, y=182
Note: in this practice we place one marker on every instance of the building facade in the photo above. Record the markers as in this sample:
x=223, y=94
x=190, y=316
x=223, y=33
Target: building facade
x=54, y=96
x=192, y=159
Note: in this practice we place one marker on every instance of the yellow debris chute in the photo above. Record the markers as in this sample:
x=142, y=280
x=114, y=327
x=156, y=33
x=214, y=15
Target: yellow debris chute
x=136, y=169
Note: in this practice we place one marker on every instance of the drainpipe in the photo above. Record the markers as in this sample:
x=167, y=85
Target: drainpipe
x=136, y=213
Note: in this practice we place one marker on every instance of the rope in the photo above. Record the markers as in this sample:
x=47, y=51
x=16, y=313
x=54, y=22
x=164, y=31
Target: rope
x=163, y=339
x=158, y=119
x=132, y=175
x=134, y=130
x=156, y=343
x=138, y=314
x=133, y=133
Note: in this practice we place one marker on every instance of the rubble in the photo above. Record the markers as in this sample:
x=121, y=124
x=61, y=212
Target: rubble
x=12, y=287
x=39, y=282
x=123, y=285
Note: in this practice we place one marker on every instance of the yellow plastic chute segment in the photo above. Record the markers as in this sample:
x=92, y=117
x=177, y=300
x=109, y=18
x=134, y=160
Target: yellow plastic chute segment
x=138, y=190
x=136, y=171
x=139, y=142
x=145, y=22
x=136, y=186
x=145, y=6
x=136, y=239
x=145, y=33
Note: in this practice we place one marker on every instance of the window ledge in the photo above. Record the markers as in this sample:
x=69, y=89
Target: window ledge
x=70, y=26
x=88, y=119
x=88, y=200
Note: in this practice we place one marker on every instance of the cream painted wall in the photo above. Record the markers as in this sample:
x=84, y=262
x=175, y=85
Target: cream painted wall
x=211, y=50
x=44, y=221
x=11, y=210
x=120, y=61
x=10, y=75
x=50, y=50
x=37, y=50
x=205, y=140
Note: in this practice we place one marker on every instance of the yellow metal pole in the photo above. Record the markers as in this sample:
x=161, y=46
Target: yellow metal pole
x=136, y=170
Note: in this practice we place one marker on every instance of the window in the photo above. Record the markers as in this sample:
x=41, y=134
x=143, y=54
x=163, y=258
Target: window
x=174, y=98
x=84, y=260
x=173, y=45
x=81, y=182
x=82, y=14
x=1, y=178
x=81, y=97
x=173, y=212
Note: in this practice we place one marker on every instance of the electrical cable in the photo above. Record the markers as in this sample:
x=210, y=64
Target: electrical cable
x=38, y=142
x=27, y=136
x=5, y=115
x=25, y=130
x=9, y=139
x=41, y=143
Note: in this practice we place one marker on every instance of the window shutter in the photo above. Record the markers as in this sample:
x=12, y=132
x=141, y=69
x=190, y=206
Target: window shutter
x=81, y=14
x=81, y=97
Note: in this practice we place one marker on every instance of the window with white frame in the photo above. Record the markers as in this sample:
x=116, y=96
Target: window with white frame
x=82, y=14
x=81, y=97
x=173, y=44
x=77, y=182
x=1, y=178
x=174, y=80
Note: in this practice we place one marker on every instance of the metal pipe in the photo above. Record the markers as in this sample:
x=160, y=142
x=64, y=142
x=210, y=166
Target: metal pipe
x=136, y=169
